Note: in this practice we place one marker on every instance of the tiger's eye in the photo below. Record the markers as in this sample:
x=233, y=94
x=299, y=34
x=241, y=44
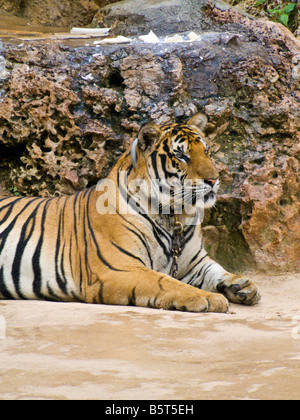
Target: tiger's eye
x=181, y=156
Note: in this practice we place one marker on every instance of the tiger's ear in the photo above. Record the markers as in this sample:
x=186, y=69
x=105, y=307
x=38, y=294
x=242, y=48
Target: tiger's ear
x=149, y=134
x=199, y=120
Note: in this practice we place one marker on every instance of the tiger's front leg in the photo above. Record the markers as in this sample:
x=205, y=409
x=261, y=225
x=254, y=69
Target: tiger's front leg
x=210, y=276
x=147, y=288
x=237, y=288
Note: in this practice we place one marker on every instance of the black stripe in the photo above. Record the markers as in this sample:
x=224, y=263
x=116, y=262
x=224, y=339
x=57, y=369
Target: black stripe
x=91, y=231
x=200, y=272
x=22, y=243
x=163, y=159
x=76, y=298
x=85, y=245
x=139, y=234
x=193, y=267
x=80, y=274
x=37, y=281
x=127, y=196
x=4, y=235
x=60, y=280
x=75, y=215
x=128, y=253
x=191, y=281
x=196, y=255
x=154, y=164
x=3, y=289
x=132, y=299
x=10, y=207
x=6, y=232
x=157, y=230
x=62, y=267
x=129, y=170
x=101, y=299
x=52, y=297
x=143, y=242
x=166, y=148
x=189, y=233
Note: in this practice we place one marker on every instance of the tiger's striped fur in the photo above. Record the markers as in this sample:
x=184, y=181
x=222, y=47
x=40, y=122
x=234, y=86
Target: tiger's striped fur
x=62, y=249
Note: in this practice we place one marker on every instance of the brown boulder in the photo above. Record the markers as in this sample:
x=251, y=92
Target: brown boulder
x=271, y=216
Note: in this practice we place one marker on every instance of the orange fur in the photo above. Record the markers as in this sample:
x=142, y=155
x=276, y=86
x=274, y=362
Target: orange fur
x=63, y=249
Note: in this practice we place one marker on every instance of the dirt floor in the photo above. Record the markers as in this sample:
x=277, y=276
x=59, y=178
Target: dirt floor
x=78, y=351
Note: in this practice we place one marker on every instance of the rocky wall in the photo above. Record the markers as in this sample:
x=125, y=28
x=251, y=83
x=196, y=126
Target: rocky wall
x=67, y=113
x=65, y=13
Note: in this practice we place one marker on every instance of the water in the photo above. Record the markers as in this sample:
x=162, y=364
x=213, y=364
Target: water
x=14, y=28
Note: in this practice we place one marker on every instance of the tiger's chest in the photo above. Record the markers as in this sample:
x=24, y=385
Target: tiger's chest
x=167, y=249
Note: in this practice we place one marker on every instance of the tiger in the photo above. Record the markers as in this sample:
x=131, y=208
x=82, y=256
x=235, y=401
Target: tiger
x=65, y=249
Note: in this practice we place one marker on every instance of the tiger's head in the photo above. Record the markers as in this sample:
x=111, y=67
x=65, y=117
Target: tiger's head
x=178, y=156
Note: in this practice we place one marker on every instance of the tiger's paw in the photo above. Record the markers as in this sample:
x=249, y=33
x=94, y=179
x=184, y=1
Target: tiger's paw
x=206, y=302
x=239, y=289
x=217, y=303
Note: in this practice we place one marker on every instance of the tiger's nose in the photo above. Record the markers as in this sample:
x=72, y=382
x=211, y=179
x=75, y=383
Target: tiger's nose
x=212, y=181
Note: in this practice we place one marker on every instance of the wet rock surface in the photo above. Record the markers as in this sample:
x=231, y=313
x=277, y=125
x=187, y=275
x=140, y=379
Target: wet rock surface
x=67, y=112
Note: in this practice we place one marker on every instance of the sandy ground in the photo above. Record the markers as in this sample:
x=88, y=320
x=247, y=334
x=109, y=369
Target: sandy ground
x=78, y=351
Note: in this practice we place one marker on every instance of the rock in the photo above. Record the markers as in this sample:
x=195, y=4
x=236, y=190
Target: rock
x=68, y=112
x=65, y=13
x=271, y=216
x=264, y=9
x=163, y=17
x=11, y=6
